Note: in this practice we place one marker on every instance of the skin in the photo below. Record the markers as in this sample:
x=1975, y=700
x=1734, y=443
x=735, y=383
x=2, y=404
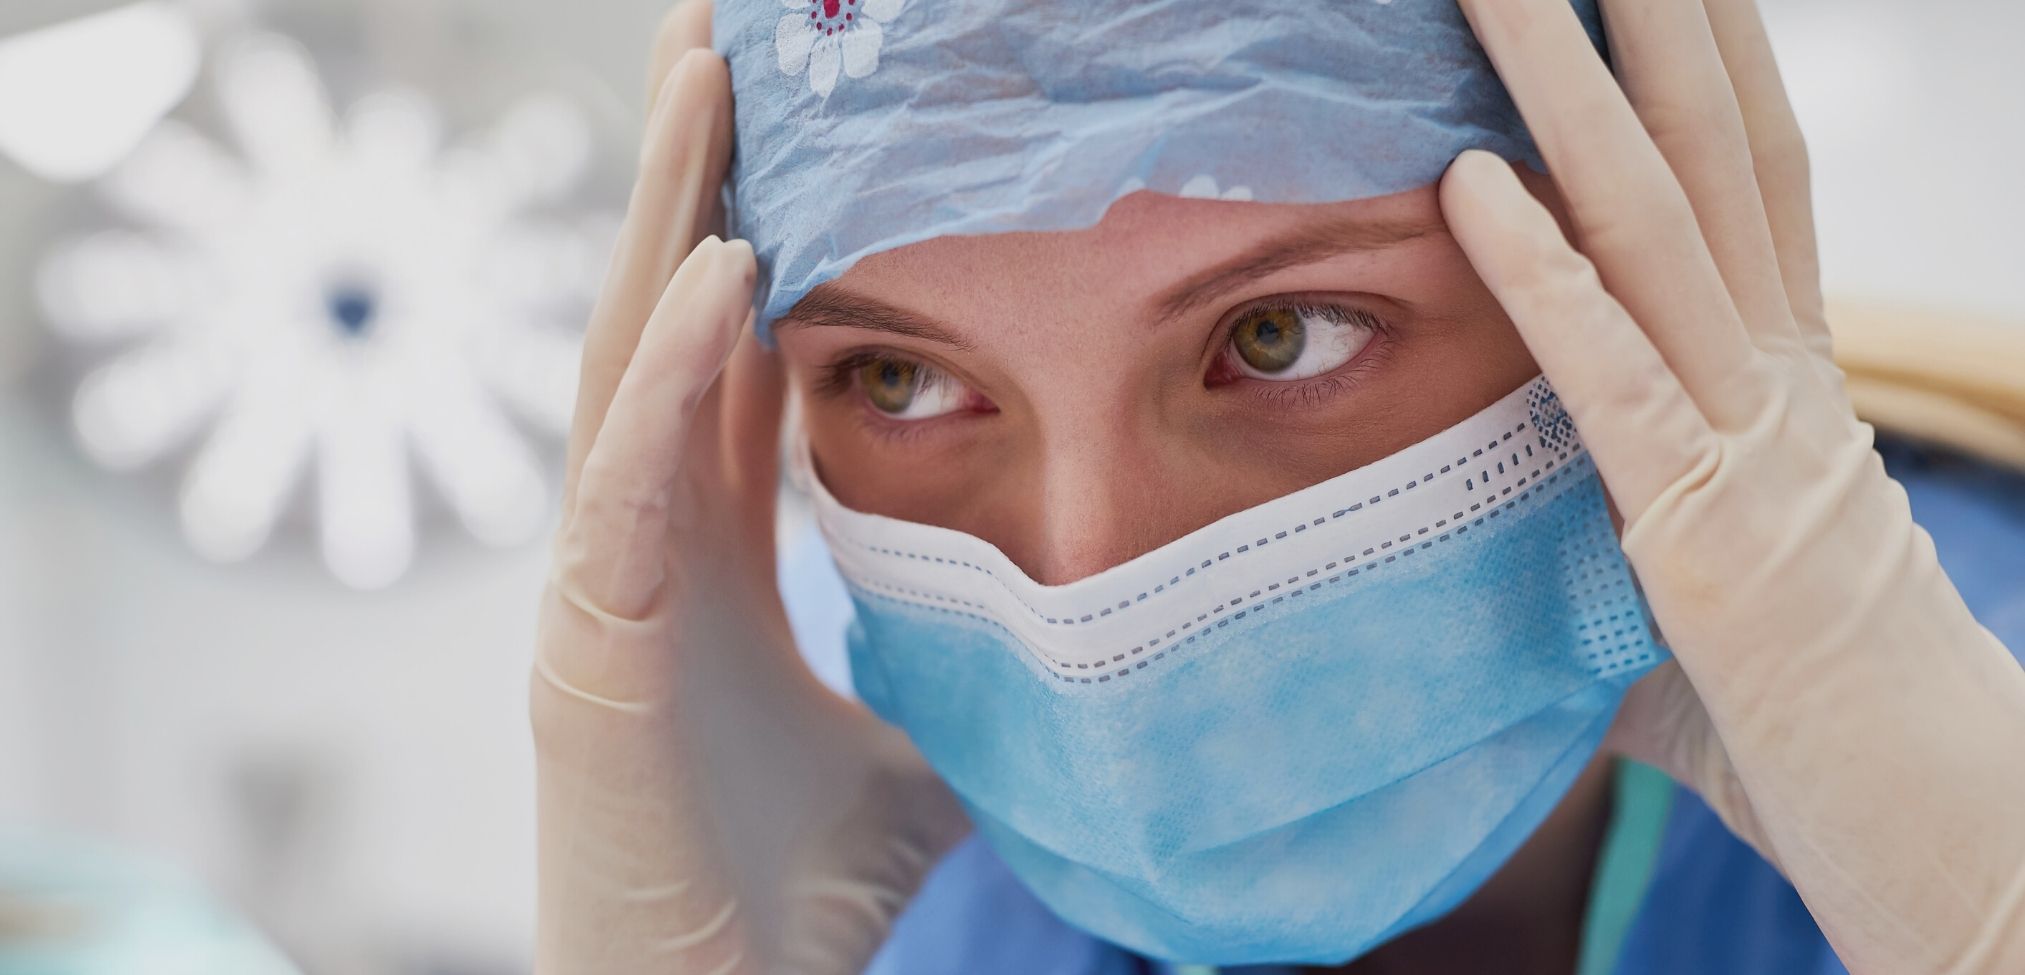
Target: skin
x=1090, y=424
x=1098, y=427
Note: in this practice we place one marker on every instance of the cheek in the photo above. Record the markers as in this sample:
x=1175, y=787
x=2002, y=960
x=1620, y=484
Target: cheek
x=1493, y=347
x=924, y=482
x=853, y=474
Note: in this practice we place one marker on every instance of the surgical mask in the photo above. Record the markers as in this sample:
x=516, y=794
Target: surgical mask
x=1291, y=734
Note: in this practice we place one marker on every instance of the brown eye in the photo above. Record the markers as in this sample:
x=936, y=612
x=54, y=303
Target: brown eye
x=1270, y=340
x=890, y=384
x=905, y=389
x=1299, y=341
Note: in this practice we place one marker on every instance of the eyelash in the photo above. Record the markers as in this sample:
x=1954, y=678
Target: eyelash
x=1306, y=394
x=1303, y=393
x=838, y=378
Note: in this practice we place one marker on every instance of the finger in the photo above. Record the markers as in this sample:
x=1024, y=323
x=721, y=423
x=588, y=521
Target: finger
x=1630, y=214
x=721, y=464
x=1778, y=156
x=675, y=200
x=615, y=540
x=1672, y=74
x=753, y=397
x=685, y=27
x=1639, y=422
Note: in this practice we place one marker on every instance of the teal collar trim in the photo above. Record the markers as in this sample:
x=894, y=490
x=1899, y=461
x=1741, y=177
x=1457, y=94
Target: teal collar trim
x=1642, y=801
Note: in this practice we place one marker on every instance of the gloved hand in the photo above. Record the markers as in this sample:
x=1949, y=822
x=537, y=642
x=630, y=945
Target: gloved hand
x=706, y=806
x=1834, y=700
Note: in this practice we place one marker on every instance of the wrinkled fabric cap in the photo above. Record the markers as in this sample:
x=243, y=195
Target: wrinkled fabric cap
x=865, y=125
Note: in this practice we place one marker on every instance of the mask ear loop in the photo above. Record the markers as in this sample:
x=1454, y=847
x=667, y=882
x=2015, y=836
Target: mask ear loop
x=798, y=460
x=794, y=443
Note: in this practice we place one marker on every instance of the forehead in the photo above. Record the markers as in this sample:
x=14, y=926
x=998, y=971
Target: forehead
x=1146, y=242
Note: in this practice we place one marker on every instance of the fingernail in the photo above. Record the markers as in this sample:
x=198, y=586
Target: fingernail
x=1478, y=171
x=1478, y=158
x=739, y=253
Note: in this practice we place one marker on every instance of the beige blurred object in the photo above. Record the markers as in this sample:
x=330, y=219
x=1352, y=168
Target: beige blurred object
x=1927, y=374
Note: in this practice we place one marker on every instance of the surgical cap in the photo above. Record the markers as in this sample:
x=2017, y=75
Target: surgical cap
x=866, y=125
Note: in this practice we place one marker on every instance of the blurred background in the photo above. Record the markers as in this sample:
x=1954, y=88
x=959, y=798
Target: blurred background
x=289, y=297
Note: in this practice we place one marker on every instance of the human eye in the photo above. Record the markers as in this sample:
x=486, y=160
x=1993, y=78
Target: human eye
x=899, y=388
x=1284, y=341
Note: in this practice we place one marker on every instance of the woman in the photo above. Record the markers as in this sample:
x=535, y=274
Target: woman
x=707, y=807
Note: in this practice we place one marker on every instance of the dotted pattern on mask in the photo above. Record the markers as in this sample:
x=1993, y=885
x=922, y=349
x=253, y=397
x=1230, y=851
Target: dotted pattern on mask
x=1551, y=422
x=1612, y=635
x=1475, y=476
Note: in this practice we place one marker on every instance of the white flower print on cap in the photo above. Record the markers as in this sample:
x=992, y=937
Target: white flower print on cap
x=1204, y=187
x=828, y=35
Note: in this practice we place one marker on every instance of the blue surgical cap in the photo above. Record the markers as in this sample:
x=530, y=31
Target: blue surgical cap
x=865, y=125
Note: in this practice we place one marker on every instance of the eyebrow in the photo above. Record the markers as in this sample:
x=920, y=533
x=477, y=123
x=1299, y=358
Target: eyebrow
x=1303, y=245
x=830, y=304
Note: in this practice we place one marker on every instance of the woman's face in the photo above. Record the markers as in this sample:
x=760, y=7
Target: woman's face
x=1080, y=398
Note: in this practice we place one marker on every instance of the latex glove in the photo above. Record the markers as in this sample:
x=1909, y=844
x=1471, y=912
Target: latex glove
x=706, y=806
x=1840, y=707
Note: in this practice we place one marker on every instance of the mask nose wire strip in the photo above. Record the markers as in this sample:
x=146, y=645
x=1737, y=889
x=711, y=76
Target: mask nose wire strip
x=1518, y=446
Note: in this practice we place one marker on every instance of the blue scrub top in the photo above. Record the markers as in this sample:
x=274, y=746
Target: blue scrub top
x=1699, y=901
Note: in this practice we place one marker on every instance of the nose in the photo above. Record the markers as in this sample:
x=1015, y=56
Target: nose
x=1098, y=499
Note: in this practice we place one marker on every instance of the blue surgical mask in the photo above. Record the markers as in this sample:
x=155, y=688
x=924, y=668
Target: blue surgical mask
x=1292, y=734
